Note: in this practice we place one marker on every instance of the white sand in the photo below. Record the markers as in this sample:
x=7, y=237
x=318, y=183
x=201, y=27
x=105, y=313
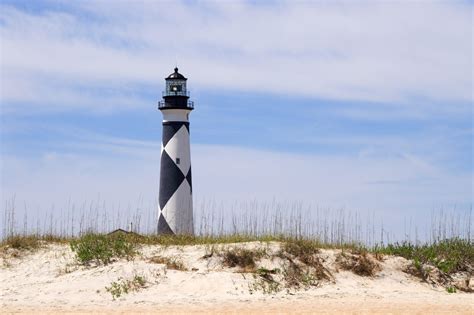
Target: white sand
x=50, y=281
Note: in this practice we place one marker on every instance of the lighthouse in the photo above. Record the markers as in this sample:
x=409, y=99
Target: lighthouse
x=175, y=196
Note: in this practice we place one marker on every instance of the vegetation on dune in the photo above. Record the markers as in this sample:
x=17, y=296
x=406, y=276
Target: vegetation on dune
x=102, y=249
x=34, y=241
x=172, y=240
x=362, y=263
x=303, y=267
x=173, y=263
x=437, y=263
x=264, y=280
x=301, y=237
x=124, y=286
x=29, y=242
x=244, y=258
x=449, y=255
x=302, y=263
x=302, y=249
x=21, y=242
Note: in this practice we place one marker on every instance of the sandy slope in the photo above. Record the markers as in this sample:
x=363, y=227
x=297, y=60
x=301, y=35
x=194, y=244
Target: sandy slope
x=49, y=280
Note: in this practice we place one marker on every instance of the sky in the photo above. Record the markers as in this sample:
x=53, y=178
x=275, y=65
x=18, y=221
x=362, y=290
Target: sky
x=363, y=106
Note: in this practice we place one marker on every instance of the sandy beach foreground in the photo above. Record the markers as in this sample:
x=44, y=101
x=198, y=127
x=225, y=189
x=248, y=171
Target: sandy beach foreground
x=49, y=280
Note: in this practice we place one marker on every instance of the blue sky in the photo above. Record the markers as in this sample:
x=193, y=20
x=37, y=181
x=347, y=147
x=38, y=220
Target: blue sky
x=365, y=106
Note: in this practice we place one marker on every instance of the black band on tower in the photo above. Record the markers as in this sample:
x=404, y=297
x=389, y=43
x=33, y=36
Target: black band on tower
x=170, y=179
x=163, y=226
x=170, y=128
x=189, y=179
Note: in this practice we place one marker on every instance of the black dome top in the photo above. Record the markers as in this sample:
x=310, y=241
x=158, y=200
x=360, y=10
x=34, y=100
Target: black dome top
x=176, y=75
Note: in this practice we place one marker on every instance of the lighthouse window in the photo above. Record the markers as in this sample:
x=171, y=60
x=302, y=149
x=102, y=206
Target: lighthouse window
x=178, y=160
x=176, y=88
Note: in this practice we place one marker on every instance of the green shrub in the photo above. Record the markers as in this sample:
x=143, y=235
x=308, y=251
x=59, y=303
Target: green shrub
x=449, y=256
x=101, y=249
x=117, y=289
x=451, y=289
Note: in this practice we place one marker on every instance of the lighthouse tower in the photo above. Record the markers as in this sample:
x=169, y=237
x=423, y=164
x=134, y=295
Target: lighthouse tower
x=175, y=200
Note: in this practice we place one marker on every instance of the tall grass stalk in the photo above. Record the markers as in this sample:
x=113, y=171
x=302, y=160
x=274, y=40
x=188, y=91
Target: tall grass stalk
x=291, y=219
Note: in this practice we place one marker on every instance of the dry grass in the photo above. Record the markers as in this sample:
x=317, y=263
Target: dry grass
x=246, y=259
x=304, y=265
x=173, y=263
x=21, y=242
x=304, y=250
x=362, y=263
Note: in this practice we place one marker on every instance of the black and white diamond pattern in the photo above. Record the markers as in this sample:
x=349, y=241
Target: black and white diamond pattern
x=175, y=200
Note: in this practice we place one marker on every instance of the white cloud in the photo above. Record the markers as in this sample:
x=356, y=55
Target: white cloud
x=394, y=52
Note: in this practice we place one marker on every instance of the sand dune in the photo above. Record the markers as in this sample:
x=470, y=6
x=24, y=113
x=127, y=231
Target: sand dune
x=49, y=280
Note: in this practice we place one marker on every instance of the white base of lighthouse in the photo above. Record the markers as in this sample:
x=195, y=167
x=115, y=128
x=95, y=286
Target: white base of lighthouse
x=175, y=199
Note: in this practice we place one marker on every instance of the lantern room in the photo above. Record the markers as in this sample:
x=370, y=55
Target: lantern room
x=176, y=84
x=175, y=95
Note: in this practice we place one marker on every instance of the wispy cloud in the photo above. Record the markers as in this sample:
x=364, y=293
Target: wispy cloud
x=388, y=52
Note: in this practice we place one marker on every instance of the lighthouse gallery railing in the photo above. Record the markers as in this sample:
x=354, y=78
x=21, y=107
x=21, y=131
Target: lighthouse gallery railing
x=163, y=104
